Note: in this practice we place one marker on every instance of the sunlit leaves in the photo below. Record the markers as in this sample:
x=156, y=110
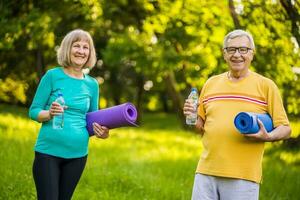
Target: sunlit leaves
x=13, y=91
x=143, y=40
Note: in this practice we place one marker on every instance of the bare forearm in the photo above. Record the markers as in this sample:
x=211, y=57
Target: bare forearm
x=280, y=133
x=200, y=125
x=43, y=116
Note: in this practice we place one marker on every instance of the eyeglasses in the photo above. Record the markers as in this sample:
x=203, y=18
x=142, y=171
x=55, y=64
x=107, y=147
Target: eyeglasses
x=242, y=50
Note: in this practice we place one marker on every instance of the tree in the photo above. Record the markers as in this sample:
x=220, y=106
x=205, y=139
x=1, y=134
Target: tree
x=150, y=52
x=292, y=14
x=30, y=32
x=175, y=46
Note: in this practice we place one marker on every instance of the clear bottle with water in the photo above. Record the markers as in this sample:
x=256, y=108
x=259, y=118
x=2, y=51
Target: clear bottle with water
x=58, y=120
x=192, y=118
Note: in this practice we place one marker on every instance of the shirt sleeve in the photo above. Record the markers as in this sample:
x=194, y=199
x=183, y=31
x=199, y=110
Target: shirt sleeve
x=41, y=96
x=201, y=110
x=275, y=105
x=95, y=97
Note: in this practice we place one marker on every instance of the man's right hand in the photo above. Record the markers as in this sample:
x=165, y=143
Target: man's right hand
x=188, y=107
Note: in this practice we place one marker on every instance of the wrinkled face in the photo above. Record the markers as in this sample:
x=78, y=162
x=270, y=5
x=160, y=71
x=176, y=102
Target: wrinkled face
x=80, y=52
x=238, y=53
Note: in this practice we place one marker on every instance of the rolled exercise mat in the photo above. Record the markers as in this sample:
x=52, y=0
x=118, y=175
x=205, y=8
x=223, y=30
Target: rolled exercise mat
x=113, y=117
x=246, y=122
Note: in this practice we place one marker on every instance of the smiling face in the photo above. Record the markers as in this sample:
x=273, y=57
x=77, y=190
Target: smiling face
x=80, y=52
x=238, y=61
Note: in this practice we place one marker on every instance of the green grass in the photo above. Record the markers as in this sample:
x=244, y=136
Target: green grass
x=154, y=161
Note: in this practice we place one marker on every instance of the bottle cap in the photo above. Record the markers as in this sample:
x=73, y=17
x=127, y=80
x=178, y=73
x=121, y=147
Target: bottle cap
x=194, y=89
x=60, y=94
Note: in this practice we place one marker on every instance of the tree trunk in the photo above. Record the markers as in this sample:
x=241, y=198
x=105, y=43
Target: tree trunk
x=293, y=15
x=164, y=100
x=234, y=15
x=139, y=100
x=40, y=62
x=175, y=96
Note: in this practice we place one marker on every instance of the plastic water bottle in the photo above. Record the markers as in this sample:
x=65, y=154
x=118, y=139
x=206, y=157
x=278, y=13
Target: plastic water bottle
x=192, y=118
x=58, y=120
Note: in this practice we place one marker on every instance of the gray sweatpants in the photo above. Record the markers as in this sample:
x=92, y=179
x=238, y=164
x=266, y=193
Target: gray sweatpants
x=219, y=188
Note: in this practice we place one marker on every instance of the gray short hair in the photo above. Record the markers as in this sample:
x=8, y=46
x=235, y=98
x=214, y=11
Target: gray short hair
x=64, y=50
x=238, y=33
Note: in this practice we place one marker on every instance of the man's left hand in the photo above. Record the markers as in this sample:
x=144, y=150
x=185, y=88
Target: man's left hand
x=262, y=135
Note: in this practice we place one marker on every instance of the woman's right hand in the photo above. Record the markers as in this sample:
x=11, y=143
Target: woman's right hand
x=55, y=109
x=46, y=115
x=188, y=107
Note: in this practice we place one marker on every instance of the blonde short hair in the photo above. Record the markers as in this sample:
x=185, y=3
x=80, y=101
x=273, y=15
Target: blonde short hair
x=238, y=33
x=64, y=50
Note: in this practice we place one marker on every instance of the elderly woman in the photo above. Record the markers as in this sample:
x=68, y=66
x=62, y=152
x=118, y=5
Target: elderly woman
x=61, y=154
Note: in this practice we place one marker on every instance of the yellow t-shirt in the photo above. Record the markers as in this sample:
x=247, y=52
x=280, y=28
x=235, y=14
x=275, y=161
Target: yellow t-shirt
x=227, y=153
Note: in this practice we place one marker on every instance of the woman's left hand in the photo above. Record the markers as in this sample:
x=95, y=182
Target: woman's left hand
x=100, y=131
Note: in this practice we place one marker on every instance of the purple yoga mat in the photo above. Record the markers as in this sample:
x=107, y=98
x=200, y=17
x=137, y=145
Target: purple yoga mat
x=113, y=117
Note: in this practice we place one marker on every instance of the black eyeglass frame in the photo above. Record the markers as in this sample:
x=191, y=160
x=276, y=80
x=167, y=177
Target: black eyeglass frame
x=239, y=50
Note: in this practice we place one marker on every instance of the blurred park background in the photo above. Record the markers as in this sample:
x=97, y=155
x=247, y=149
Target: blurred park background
x=150, y=52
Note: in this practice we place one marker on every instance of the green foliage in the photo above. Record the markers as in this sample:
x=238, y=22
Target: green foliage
x=140, y=40
x=31, y=29
x=186, y=37
x=155, y=161
x=13, y=91
x=276, y=51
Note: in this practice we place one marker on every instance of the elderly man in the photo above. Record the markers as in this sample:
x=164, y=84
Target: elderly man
x=230, y=167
